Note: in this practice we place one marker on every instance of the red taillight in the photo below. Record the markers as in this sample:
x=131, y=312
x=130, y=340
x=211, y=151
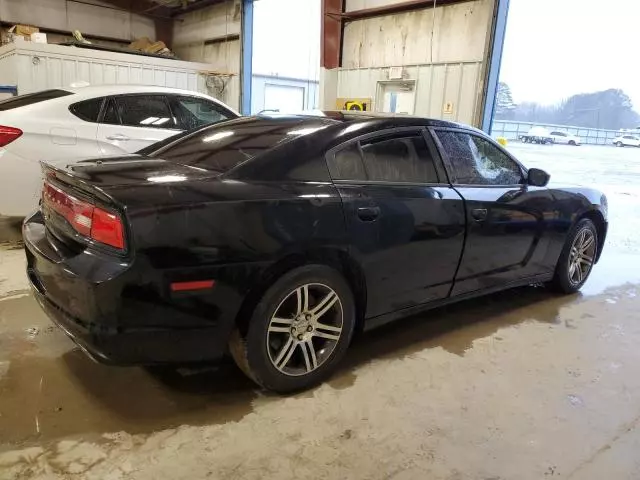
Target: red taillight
x=85, y=218
x=107, y=228
x=8, y=135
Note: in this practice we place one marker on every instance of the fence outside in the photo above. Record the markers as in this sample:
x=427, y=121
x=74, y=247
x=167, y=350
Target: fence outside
x=513, y=130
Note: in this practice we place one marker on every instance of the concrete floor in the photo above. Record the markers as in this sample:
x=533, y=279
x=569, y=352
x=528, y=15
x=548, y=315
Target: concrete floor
x=519, y=385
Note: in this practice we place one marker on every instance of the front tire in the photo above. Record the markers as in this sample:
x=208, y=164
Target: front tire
x=619, y=144
x=299, y=331
x=577, y=258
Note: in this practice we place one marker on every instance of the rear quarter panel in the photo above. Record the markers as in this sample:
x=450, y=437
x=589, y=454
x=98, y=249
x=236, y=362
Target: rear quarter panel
x=226, y=230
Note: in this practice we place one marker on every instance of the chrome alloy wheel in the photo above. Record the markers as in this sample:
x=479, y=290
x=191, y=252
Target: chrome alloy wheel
x=305, y=329
x=582, y=255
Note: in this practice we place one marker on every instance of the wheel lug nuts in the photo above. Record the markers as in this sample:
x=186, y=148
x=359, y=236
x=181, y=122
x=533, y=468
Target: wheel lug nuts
x=308, y=316
x=300, y=337
x=293, y=329
x=309, y=328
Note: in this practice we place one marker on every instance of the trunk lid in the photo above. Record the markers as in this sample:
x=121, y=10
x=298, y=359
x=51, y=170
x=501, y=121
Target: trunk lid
x=123, y=171
x=85, y=203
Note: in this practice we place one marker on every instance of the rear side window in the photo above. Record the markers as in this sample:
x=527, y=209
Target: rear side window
x=150, y=111
x=347, y=164
x=397, y=159
x=32, y=98
x=405, y=159
x=88, y=110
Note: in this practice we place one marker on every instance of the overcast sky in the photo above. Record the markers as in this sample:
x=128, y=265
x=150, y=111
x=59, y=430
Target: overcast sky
x=557, y=48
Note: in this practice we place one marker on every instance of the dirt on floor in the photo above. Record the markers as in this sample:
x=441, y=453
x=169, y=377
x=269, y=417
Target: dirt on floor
x=520, y=385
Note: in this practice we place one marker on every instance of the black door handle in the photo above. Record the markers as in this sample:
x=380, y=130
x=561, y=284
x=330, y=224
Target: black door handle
x=368, y=214
x=479, y=214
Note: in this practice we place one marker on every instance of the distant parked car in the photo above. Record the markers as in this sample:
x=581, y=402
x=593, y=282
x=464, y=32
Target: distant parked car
x=537, y=135
x=71, y=123
x=564, y=138
x=627, y=141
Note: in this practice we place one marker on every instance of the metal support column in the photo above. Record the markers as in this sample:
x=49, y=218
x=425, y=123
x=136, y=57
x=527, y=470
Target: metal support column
x=494, y=60
x=246, y=75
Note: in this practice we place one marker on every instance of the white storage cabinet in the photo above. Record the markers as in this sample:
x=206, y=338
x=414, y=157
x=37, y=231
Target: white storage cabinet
x=33, y=67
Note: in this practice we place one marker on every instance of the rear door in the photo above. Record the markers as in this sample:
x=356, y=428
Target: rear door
x=507, y=220
x=133, y=122
x=406, y=223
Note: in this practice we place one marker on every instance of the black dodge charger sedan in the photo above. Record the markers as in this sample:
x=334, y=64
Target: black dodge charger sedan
x=277, y=238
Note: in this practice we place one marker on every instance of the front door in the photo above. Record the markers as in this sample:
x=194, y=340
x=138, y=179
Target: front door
x=133, y=122
x=406, y=224
x=507, y=221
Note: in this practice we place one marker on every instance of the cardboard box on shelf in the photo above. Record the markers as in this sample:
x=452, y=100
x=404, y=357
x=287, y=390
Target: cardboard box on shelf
x=24, y=30
x=19, y=33
x=39, y=37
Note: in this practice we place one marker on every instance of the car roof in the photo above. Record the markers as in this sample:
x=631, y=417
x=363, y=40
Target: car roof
x=102, y=90
x=375, y=120
x=80, y=93
x=92, y=91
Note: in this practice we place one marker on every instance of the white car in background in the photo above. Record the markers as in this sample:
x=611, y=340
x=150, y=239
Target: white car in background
x=564, y=138
x=63, y=125
x=627, y=141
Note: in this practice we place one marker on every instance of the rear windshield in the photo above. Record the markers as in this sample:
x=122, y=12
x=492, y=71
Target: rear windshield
x=223, y=146
x=31, y=98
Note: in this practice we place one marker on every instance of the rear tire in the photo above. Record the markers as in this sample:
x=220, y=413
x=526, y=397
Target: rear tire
x=619, y=144
x=572, y=143
x=577, y=258
x=299, y=331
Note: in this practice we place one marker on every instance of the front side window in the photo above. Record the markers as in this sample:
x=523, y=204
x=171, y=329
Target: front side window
x=476, y=161
x=194, y=112
x=151, y=111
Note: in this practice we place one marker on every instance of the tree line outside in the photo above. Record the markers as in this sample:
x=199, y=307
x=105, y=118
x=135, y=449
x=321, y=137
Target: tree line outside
x=608, y=109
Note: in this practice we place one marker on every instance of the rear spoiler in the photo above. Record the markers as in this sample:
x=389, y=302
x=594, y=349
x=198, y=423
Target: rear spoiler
x=75, y=181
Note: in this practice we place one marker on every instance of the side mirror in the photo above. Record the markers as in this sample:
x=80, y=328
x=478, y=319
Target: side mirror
x=537, y=177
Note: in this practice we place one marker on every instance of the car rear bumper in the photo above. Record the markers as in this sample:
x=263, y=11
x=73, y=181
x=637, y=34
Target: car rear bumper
x=92, y=304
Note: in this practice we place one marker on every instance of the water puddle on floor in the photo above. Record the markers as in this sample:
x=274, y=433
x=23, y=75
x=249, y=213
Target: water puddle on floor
x=50, y=390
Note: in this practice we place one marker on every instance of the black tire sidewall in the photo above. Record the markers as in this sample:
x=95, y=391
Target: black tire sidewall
x=258, y=361
x=561, y=279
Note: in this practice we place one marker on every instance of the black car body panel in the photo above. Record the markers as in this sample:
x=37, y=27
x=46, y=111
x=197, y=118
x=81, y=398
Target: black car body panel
x=263, y=202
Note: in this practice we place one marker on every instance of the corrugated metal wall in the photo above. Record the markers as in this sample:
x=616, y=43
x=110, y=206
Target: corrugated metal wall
x=458, y=83
x=447, y=67
x=92, y=17
x=37, y=67
x=199, y=36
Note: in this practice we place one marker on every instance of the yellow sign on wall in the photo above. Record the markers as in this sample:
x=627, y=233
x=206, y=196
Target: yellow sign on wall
x=447, y=108
x=354, y=104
